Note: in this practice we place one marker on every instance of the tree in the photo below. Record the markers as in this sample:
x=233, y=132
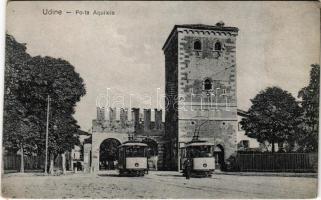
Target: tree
x=273, y=117
x=62, y=136
x=19, y=127
x=28, y=82
x=58, y=79
x=310, y=104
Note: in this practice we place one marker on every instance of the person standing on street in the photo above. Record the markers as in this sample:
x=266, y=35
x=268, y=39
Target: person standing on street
x=188, y=168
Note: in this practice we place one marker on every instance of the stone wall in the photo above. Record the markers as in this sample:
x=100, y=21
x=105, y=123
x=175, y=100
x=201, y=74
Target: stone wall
x=147, y=119
x=215, y=108
x=200, y=60
x=219, y=66
x=101, y=113
x=123, y=117
x=171, y=91
x=158, y=119
x=87, y=157
x=218, y=132
x=119, y=128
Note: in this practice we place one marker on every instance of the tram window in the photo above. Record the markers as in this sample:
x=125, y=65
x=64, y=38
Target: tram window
x=135, y=151
x=195, y=152
x=183, y=153
x=120, y=152
x=128, y=152
x=188, y=152
x=200, y=151
x=207, y=151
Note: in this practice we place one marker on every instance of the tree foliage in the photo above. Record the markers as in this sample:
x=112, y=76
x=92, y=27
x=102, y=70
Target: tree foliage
x=274, y=117
x=28, y=82
x=58, y=79
x=310, y=103
x=19, y=127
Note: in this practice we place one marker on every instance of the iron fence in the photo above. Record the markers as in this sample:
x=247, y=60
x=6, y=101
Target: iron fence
x=13, y=162
x=277, y=162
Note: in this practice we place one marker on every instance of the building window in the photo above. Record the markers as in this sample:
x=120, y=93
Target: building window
x=246, y=144
x=207, y=84
x=218, y=46
x=197, y=45
x=224, y=92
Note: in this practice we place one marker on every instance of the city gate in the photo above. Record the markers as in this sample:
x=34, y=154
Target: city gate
x=97, y=139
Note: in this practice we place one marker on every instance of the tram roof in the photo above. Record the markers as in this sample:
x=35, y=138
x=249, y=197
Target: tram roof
x=199, y=144
x=133, y=144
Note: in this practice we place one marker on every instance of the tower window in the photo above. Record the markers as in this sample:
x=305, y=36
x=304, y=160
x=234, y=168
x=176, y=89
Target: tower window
x=207, y=84
x=224, y=92
x=197, y=45
x=218, y=46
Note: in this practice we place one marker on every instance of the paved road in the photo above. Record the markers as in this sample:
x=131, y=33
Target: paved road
x=156, y=185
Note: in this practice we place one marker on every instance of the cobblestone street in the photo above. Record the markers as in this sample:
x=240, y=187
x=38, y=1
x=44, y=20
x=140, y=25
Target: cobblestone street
x=156, y=185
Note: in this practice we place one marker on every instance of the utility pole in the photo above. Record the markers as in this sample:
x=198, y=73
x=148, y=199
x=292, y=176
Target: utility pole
x=47, y=133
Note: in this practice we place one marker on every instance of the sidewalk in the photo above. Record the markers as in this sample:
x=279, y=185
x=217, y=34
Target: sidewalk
x=283, y=174
x=36, y=173
x=168, y=173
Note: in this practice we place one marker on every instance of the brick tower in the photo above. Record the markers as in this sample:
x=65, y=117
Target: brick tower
x=200, y=76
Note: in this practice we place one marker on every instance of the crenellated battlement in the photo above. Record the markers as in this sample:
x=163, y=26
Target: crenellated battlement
x=125, y=120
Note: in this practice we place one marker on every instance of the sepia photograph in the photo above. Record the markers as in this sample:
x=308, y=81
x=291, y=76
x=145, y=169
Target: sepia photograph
x=161, y=100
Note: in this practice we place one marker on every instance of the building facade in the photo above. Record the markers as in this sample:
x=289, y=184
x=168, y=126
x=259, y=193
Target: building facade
x=113, y=126
x=200, y=77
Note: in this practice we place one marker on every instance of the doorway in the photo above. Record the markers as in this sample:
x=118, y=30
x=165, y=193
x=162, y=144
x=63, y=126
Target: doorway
x=219, y=157
x=108, y=154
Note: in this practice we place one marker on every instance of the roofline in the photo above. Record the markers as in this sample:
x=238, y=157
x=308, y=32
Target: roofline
x=169, y=37
x=130, y=143
x=217, y=28
x=81, y=132
x=242, y=113
x=199, y=144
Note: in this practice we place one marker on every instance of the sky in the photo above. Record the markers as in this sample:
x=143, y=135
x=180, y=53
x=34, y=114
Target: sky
x=277, y=43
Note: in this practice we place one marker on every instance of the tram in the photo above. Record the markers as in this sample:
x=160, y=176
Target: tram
x=198, y=154
x=132, y=158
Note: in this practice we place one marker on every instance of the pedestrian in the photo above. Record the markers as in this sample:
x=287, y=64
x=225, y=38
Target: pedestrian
x=188, y=168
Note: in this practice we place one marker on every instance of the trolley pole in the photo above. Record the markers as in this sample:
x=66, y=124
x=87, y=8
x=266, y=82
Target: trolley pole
x=47, y=132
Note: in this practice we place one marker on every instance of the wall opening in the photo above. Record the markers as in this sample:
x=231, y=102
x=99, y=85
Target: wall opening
x=219, y=157
x=197, y=45
x=152, y=153
x=207, y=84
x=108, y=154
x=218, y=46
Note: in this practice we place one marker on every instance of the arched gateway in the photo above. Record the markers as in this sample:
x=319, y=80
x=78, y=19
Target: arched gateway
x=108, y=154
x=99, y=141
